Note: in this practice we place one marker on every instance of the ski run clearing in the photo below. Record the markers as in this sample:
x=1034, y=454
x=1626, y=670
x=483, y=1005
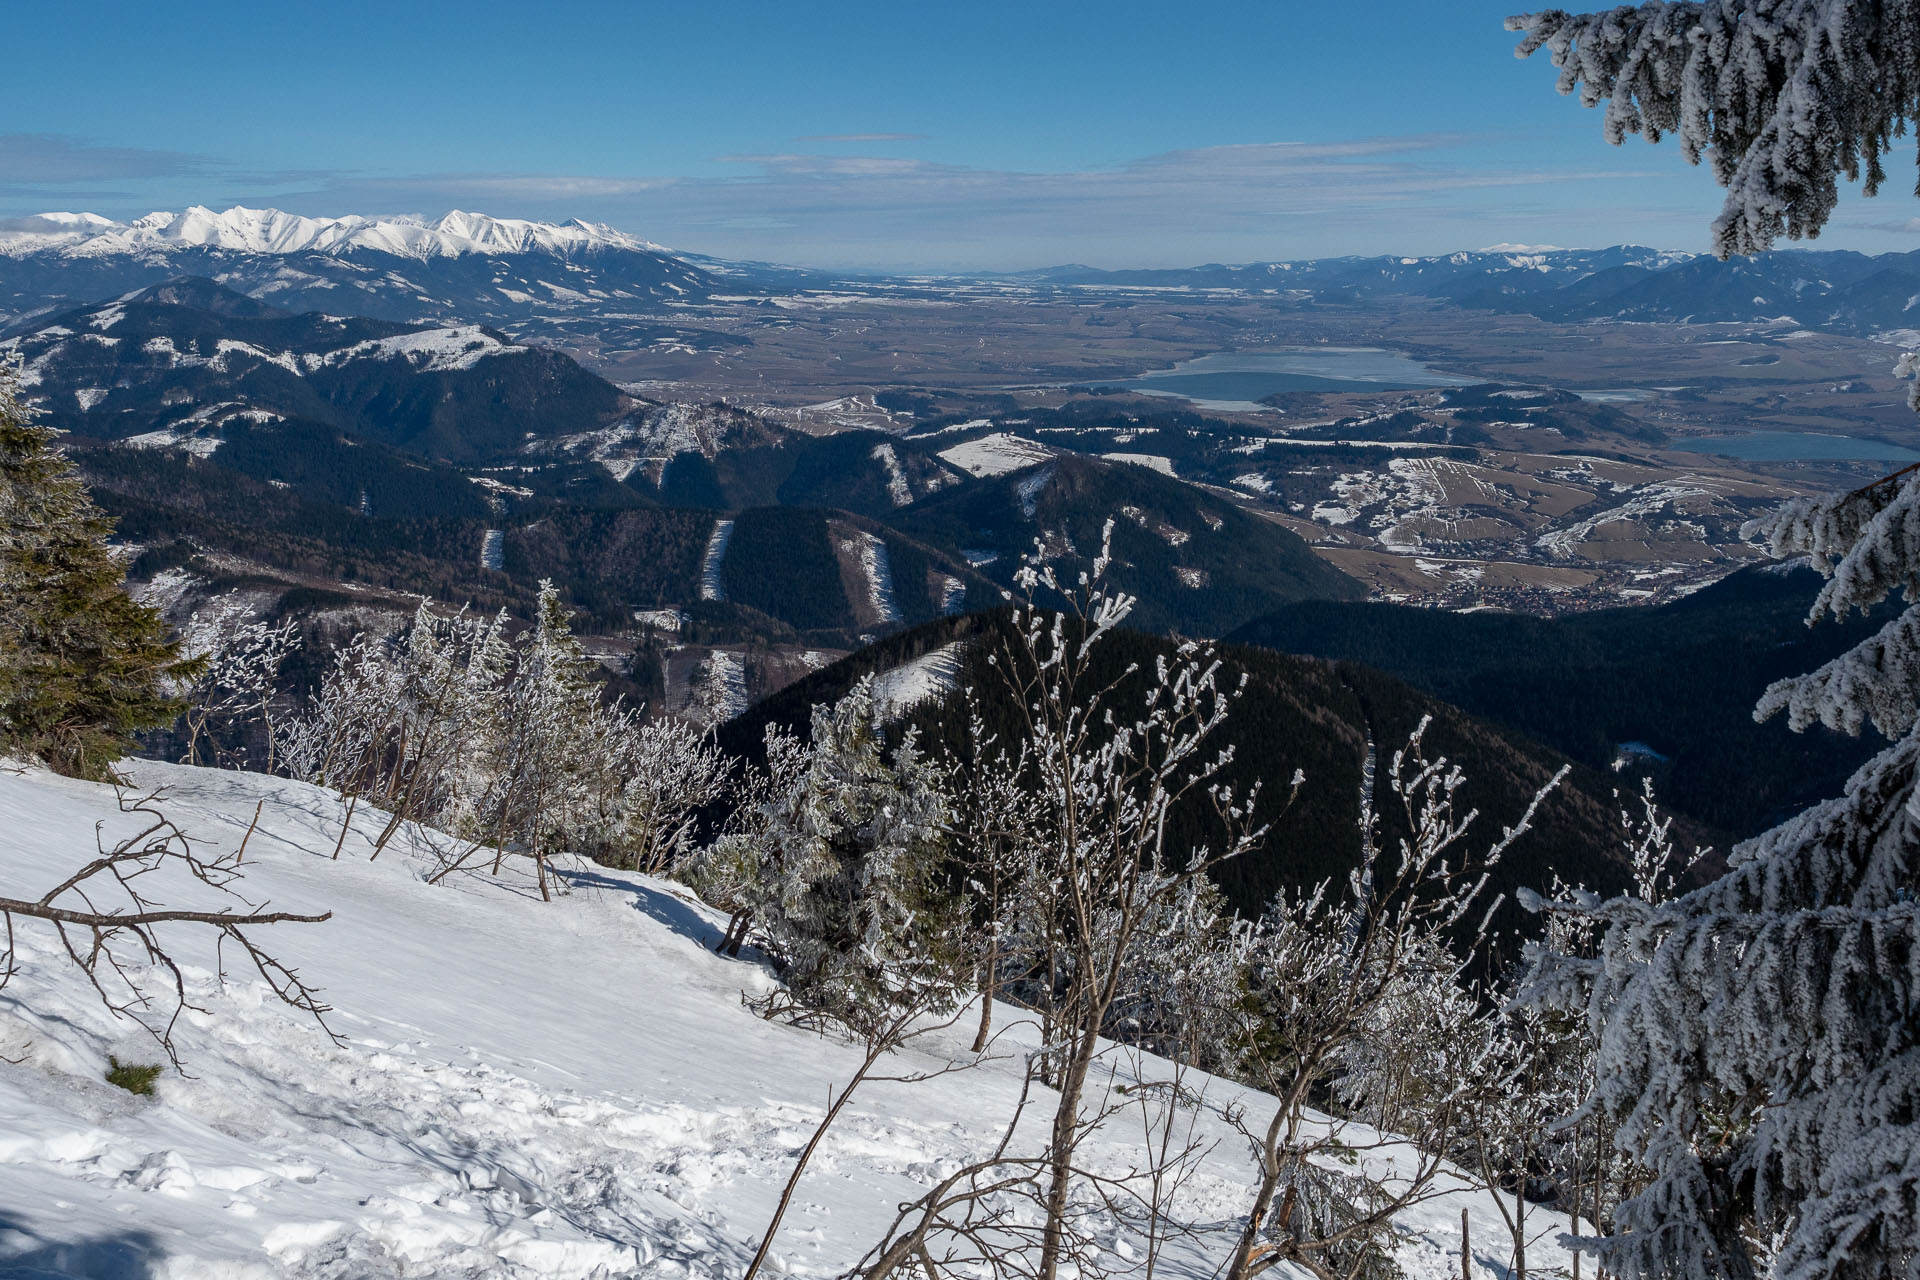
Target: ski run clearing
x=876, y=576
x=713, y=582
x=520, y=1089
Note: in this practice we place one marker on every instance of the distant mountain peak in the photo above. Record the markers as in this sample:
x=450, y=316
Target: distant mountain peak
x=272, y=231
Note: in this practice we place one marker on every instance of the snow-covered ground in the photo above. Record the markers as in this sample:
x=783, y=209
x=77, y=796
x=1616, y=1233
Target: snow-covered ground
x=897, y=488
x=201, y=446
x=1151, y=461
x=996, y=455
x=1647, y=501
x=928, y=676
x=520, y=1089
x=429, y=350
x=722, y=692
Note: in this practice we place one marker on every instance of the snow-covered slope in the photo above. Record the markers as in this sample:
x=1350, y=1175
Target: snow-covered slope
x=566, y=1089
x=996, y=454
x=928, y=677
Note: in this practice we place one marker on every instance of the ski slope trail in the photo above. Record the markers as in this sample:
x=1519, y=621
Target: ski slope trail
x=519, y=1088
x=713, y=581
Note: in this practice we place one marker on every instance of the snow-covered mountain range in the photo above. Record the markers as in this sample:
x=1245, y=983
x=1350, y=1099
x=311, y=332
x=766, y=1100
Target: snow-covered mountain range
x=590, y=280
x=270, y=231
x=463, y=266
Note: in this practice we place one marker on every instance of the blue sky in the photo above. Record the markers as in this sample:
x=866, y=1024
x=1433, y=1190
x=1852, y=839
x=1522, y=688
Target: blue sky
x=858, y=135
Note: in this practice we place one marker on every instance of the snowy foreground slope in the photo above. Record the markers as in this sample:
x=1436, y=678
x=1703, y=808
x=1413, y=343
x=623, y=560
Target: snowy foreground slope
x=566, y=1089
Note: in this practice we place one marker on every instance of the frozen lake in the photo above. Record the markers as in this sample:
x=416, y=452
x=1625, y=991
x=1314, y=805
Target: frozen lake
x=1797, y=446
x=1239, y=379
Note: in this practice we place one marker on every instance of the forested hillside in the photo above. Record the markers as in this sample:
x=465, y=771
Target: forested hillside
x=1294, y=713
x=1201, y=565
x=1667, y=692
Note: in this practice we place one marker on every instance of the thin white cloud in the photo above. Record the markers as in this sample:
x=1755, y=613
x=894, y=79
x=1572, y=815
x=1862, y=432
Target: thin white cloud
x=844, y=166
x=1899, y=226
x=863, y=137
x=28, y=159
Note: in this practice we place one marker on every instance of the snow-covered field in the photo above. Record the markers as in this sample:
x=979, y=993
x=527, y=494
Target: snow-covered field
x=1151, y=461
x=996, y=455
x=911, y=683
x=521, y=1089
x=722, y=694
x=429, y=350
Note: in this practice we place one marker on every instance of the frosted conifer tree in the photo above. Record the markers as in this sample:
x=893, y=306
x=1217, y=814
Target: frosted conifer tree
x=848, y=899
x=243, y=654
x=545, y=760
x=659, y=775
x=83, y=666
x=1759, y=1038
x=730, y=872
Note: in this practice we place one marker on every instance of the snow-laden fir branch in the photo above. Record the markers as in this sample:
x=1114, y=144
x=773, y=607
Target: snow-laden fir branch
x=1782, y=97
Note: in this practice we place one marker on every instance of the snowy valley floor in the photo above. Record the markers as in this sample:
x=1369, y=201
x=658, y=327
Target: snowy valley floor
x=525, y=1089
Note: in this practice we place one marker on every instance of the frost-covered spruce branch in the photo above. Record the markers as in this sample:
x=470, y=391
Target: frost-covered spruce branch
x=110, y=924
x=1782, y=97
x=1759, y=1047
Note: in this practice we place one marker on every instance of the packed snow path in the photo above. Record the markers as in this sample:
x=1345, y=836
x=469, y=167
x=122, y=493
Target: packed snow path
x=522, y=1089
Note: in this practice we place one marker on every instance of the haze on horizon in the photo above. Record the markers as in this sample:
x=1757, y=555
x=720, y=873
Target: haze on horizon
x=861, y=135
